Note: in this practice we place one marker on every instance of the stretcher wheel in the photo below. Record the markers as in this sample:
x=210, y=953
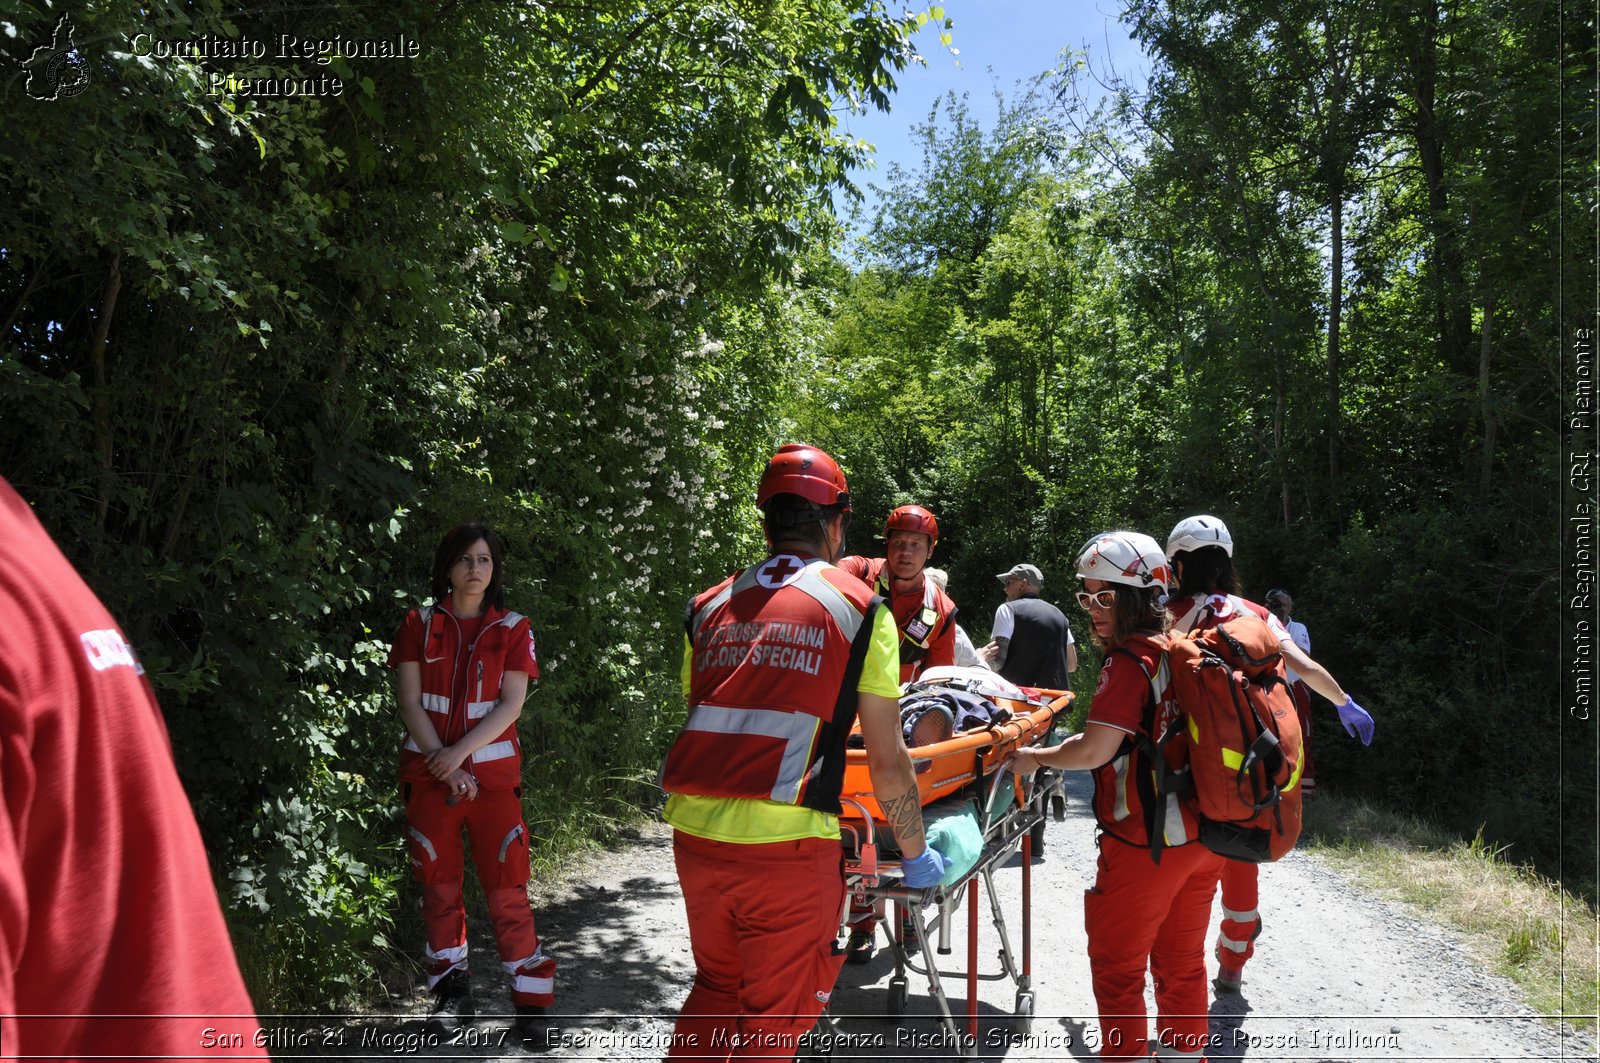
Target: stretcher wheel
x=1058, y=807
x=1024, y=1012
x=820, y=1043
x=898, y=996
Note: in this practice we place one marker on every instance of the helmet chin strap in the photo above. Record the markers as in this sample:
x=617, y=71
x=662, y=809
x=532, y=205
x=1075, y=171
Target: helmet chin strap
x=844, y=529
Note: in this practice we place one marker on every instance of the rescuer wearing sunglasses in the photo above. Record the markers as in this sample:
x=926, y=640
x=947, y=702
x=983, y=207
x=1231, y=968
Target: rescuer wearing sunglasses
x=1140, y=914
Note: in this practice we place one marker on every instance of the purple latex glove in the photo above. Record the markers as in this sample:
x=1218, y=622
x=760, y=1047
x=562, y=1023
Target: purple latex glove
x=925, y=870
x=1356, y=720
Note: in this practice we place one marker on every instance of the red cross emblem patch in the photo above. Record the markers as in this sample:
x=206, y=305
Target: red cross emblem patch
x=779, y=571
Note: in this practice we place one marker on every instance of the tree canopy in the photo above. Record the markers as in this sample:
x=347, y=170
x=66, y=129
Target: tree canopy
x=571, y=269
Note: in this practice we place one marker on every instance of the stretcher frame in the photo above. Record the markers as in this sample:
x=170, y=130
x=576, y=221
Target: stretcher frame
x=1006, y=831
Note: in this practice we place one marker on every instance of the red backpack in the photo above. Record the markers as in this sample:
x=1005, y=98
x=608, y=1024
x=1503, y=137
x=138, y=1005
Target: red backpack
x=1245, y=750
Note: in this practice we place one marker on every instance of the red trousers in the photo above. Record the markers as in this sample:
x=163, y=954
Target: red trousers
x=763, y=923
x=1141, y=914
x=500, y=852
x=1241, y=922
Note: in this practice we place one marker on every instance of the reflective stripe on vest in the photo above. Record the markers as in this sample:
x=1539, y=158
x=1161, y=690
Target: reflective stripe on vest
x=1119, y=810
x=1173, y=830
x=797, y=729
x=494, y=751
x=810, y=580
x=831, y=598
x=477, y=710
x=698, y=619
x=438, y=703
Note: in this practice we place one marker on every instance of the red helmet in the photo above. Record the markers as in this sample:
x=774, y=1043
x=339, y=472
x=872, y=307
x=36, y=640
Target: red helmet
x=913, y=519
x=797, y=469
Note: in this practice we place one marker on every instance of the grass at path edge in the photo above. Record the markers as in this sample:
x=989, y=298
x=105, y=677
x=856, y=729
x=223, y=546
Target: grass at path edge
x=1515, y=920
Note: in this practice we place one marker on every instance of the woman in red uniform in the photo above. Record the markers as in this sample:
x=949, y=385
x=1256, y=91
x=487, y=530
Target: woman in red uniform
x=464, y=664
x=1151, y=900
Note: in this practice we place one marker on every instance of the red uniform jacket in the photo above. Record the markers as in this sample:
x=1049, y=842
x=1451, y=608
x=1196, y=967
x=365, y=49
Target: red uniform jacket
x=112, y=943
x=926, y=619
x=461, y=684
x=777, y=654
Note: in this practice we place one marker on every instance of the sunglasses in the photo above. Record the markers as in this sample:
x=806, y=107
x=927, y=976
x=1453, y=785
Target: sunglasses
x=1098, y=600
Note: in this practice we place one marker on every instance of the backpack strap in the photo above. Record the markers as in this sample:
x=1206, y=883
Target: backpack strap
x=1159, y=785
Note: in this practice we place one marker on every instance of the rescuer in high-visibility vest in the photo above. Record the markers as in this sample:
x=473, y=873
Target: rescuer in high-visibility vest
x=780, y=660
x=924, y=614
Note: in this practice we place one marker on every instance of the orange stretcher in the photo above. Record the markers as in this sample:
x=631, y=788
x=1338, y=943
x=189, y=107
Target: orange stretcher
x=965, y=766
x=962, y=759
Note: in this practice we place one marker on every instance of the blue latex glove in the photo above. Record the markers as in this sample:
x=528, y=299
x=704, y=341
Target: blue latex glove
x=925, y=870
x=1356, y=720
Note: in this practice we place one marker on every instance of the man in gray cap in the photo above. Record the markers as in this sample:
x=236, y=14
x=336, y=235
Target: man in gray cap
x=1031, y=643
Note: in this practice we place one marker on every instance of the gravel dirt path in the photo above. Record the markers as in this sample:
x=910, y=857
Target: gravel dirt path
x=1338, y=975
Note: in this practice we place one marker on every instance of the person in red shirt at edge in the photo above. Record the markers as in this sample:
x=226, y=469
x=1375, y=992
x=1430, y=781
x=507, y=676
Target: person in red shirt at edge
x=1201, y=551
x=1149, y=907
x=112, y=943
x=780, y=660
x=926, y=618
x=463, y=666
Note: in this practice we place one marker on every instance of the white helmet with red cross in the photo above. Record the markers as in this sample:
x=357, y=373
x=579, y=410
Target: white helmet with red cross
x=1127, y=557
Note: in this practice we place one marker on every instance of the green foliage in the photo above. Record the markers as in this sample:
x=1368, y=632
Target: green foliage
x=1136, y=321
x=260, y=352
x=571, y=271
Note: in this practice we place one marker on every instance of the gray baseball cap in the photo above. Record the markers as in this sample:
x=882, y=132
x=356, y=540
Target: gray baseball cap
x=1030, y=573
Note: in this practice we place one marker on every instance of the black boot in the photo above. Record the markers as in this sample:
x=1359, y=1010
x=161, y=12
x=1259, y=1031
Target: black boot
x=452, y=1003
x=532, y=1027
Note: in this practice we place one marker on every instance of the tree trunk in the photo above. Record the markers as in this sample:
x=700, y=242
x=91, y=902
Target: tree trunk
x=102, y=400
x=1279, y=413
x=1335, y=317
x=1453, y=317
x=1485, y=401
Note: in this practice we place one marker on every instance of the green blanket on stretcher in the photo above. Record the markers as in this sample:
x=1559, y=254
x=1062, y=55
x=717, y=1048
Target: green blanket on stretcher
x=954, y=826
